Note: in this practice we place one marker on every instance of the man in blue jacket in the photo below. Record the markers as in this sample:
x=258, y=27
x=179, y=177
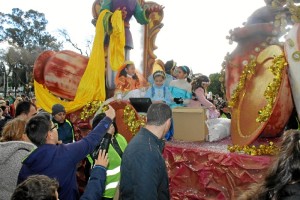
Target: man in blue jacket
x=143, y=170
x=59, y=161
x=43, y=186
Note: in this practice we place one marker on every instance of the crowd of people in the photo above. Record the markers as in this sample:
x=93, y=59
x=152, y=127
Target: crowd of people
x=20, y=107
x=40, y=154
x=39, y=160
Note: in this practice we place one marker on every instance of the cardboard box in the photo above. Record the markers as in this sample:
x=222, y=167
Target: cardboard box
x=189, y=124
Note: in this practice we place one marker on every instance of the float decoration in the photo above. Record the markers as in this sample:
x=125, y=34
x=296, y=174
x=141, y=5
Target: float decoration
x=263, y=28
x=262, y=149
x=248, y=71
x=245, y=127
x=134, y=124
x=92, y=83
x=262, y=102
x=126, y=118
x=150, y=33
x=292, y=53
x=294, y=10
x=271, y=92
x=90, y=109
x=117, y=41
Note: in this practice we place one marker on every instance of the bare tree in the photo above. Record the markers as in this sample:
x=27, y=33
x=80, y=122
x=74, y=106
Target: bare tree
x=64, y=33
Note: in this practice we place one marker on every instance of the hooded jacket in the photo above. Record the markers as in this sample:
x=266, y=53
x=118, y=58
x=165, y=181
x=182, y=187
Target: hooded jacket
x=12, y=154
x=59, y=161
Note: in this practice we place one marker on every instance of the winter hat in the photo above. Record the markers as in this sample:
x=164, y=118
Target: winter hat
x=57, y=108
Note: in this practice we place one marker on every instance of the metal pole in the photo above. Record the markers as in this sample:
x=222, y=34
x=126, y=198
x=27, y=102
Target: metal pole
x=4, y=84
x=15, y=75
x=2, y=68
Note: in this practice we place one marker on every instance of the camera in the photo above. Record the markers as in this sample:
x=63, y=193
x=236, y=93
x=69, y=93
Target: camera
x=104, y=145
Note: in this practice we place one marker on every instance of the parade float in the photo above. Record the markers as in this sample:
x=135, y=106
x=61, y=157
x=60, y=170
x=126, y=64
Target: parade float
x=260, y=81
x=79, y=82
x=256, y=76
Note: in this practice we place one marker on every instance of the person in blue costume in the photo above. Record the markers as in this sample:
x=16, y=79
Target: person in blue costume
x=159, y=93
x=169, y=68
x=180, y=88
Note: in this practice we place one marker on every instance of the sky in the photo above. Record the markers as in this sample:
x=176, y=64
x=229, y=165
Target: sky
x=194, y=32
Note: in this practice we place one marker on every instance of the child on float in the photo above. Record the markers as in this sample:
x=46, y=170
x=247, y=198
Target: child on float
x=181, y=88
x=218, y=128
x=129, y=83
x=127, y=79
x=159, y=93
x=199, y=96
x=169, y=70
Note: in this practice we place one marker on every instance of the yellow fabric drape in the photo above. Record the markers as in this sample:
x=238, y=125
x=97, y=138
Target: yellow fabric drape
x=117, y=41
x=92, y=84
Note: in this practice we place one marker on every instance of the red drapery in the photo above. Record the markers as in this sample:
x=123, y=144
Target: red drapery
x=209, y=171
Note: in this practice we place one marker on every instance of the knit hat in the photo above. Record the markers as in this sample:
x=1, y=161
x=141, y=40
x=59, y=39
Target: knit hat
x=57, y=108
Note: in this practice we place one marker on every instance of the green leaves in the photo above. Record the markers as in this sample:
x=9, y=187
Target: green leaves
x=27, y=30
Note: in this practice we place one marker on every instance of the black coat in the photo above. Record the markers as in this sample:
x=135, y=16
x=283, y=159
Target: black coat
x=143, y=169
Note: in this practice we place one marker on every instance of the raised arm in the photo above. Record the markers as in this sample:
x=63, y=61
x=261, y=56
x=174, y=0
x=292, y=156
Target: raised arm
x=79, y=150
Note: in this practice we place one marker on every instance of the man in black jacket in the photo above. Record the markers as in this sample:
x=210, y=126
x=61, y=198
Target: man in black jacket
x=144, y=175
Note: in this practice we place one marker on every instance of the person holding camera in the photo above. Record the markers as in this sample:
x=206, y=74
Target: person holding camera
x=114, y=144
x=60, y=160
x=37, y=187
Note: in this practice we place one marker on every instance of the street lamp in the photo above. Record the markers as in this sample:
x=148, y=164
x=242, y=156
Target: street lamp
x=15, y=80
x=4, y=77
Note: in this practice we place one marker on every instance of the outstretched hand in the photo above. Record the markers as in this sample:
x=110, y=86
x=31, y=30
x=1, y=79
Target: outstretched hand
x=102, y=158
x=110, y=112
x=111, y=129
